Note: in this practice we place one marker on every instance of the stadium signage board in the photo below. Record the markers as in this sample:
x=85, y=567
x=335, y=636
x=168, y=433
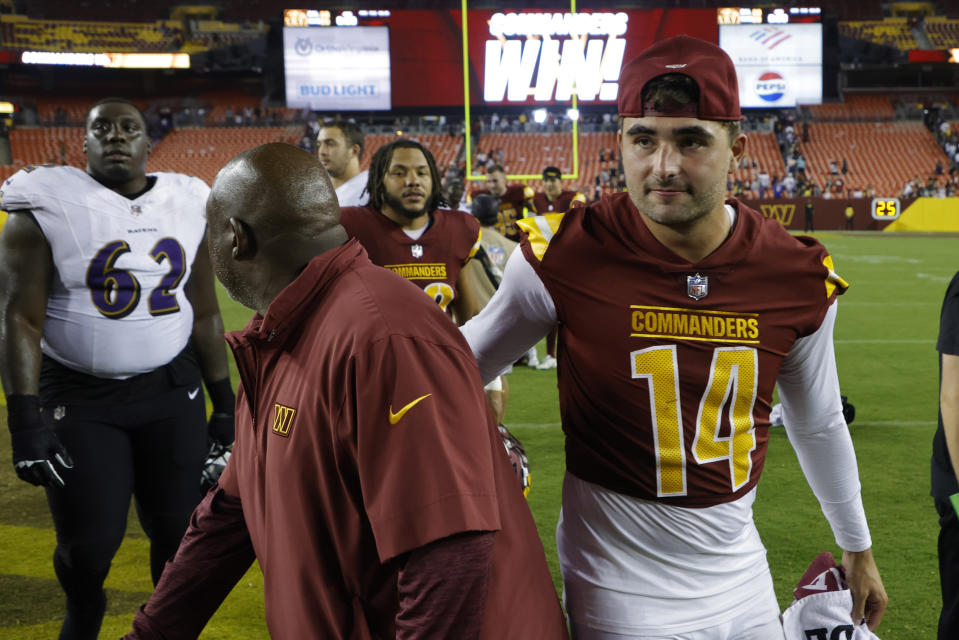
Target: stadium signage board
x=549, y=56
x=337, y=68
x=779, y=65
x=109, y=60
x=886, y=209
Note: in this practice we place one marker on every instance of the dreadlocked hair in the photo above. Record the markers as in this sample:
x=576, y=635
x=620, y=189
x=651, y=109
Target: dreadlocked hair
x=380, y=164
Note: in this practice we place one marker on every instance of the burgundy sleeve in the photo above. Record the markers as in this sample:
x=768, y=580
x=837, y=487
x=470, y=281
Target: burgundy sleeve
x=214, y=554
x=443, y=586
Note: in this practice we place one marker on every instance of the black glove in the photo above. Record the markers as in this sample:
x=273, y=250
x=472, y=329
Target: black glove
x=37, y=452
x=220, y=427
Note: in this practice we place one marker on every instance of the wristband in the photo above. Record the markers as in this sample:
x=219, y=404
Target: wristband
x=23, y=412
x=222, y=397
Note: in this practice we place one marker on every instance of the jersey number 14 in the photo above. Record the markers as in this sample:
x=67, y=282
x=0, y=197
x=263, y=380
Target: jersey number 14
x=732, y=381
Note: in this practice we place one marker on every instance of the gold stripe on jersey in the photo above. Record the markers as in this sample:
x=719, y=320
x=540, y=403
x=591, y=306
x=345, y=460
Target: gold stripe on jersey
x=476, y=245
x=833, y=280
x=687, y=324
x=419, y=271
x=541, y=230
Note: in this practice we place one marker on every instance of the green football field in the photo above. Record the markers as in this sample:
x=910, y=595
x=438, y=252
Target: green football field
x=885, y=343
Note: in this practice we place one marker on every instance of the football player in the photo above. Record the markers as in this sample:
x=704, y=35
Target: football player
x=110, y=327
x=678, y=312
x=514, y=200
x=554, y=199
x=339, y=148
x=405, y=229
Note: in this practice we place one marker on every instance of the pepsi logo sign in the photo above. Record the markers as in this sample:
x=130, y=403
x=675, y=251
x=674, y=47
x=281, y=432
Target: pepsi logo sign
x=770, y=86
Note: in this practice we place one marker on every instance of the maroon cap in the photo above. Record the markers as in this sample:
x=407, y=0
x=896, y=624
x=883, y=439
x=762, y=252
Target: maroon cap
x=704, y=62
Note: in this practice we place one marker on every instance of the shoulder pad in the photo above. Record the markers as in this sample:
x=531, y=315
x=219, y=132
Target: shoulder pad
x=834, y=281
x=540, y=230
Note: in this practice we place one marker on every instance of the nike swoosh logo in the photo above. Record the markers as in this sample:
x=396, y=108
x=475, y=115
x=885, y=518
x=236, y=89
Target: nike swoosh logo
x=396, y=417
x=192, y=394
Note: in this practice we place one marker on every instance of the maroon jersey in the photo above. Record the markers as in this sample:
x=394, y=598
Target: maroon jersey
x=562, y=203
x=432, y=262
x=361, y=434
x=512, y=207
x=666, y=368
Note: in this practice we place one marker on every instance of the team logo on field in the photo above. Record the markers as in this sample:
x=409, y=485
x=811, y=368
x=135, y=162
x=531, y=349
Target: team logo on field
x=417, y=250
x=697, y=286
x=283, y=419
x=136, y=209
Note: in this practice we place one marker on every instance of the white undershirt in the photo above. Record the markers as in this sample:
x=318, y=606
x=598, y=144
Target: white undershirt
x=521, y=312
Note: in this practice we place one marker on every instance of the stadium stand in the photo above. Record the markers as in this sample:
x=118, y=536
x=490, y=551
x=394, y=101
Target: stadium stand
x=198, y=151
x=889, y=31
x=943, y=32
x=528, y=153
x=855, y=108
x=884, y=155
x=19, y=32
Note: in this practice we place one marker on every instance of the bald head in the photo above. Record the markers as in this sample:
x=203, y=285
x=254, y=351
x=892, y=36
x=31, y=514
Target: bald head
x=271, y=210
x=276, y=188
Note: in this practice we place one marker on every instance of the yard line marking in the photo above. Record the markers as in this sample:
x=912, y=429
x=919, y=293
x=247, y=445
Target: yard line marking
x=870, y=303
x=931, y=340
x=894, y=423
x=534, y=425
x=857, y=423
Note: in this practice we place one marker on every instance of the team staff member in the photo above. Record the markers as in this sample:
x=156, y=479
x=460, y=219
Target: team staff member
x=367, y=478
x=553, y=198
x=676, y=323
x=514, y=200
x=109, y=320
x=945, y=461
x=339, y=147
x=405, y=230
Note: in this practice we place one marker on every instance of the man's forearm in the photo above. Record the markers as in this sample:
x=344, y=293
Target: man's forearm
x=949, y=406
x=211, y=348
x=214, y=554
x=20, y=356
x=443, y=588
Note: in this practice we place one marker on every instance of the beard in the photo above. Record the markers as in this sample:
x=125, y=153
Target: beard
x=239, y=290
x=407, y=212
x=688, y=209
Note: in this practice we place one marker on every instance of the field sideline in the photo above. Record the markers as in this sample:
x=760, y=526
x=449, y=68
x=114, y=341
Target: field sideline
x=885, y=345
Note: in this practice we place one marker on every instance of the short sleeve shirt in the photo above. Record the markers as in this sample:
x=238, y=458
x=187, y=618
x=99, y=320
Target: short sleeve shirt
x=432, y=262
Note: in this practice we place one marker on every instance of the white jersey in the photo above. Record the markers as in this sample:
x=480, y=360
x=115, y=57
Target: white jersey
x=351, y=193
x=116, y=306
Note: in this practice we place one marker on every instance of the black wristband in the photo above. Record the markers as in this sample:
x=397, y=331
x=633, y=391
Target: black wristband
x=23, y=412
x=222, y=396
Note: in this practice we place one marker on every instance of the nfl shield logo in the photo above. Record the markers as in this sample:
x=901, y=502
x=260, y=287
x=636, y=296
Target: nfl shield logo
x=135, y=209
x=417, y=251
x=697, y=286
